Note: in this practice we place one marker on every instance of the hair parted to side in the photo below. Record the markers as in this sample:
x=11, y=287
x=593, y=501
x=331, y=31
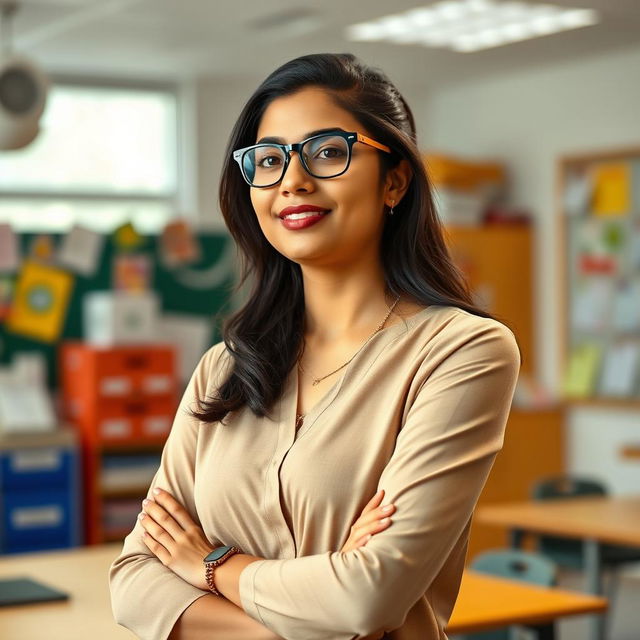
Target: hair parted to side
x=265, y=337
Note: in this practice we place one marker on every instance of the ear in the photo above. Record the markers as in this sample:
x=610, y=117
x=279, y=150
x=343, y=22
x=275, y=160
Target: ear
x=397, y=182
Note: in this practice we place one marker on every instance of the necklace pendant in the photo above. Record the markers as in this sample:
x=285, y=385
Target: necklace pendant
x=315, y=383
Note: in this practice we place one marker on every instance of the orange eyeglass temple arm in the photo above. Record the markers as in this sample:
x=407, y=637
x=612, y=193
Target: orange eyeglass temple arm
x=373, y=143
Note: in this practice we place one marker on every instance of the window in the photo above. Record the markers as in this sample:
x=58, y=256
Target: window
x=105, y=155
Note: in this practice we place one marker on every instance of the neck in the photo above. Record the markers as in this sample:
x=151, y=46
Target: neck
x=343, y=305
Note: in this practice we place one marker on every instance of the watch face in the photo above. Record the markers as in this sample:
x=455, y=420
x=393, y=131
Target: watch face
x=216, y=554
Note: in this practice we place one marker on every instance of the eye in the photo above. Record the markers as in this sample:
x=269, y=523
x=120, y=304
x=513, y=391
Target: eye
x=268, y=161
x=329, y=153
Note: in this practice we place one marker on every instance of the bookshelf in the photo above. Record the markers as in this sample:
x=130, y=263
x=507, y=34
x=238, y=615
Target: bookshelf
x=497, y=261
x=598, y=215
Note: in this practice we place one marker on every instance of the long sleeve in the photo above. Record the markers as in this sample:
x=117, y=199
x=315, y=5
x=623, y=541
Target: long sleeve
x=444, y=450
x=146, y=596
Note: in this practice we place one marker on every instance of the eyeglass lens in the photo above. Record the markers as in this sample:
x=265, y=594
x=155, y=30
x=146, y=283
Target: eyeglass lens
x=324, y=156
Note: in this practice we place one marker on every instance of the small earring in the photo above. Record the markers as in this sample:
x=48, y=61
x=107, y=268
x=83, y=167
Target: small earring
x=391, y=210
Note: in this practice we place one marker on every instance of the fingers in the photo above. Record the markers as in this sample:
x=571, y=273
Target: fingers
x=156, y=548
x=174, y=508
x=374, y=522
x=161, y=515
x=157, y=532
x=374, y=502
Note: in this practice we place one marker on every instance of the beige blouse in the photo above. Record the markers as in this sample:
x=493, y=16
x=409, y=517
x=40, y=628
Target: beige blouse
x=420, y=412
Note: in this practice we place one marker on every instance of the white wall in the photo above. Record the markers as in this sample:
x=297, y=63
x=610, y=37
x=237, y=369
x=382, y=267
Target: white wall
x=529, y=119
x=218, y=103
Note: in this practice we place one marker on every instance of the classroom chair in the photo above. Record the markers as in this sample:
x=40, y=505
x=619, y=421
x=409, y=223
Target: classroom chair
x=515, y=565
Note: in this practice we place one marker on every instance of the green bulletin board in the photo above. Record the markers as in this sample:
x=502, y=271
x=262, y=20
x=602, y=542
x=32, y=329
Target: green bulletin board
x=202, y=288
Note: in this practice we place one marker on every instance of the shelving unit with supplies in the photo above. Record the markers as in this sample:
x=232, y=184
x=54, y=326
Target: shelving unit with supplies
x=122, y=401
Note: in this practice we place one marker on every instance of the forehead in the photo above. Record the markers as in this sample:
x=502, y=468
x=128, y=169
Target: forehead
x=292, y=117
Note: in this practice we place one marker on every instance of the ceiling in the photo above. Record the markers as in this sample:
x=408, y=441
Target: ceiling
x=169, y=39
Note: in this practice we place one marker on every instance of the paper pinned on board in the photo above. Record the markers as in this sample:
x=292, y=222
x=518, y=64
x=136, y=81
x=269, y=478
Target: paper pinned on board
x=626, y=307
x=132, y=272
x=578, y=192
x=6, y=295
x=191, y=336
x=620, y=369
x=582, y=370
x=81, y=250
x=178, y=244
x=43, y=249
x=611, y=189
x=9, y=249
x=126, y=238
x=40, y=302
x=591, y=304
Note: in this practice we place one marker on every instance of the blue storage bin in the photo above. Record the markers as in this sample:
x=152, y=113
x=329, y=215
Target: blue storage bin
x=44, y=519
x=36, y=468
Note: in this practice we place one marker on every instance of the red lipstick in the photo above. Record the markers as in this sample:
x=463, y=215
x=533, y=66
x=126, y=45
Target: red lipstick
x=301, y=208
x=302, y=216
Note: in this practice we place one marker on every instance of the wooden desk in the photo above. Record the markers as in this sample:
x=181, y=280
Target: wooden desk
x=614, y=520
x=82, y=572
x=484, y=602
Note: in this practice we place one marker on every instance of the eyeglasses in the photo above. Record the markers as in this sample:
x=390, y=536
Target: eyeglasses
x=326, y=155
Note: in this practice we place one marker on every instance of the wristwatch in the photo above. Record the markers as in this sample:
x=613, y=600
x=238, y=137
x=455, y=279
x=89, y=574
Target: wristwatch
x=215, y=559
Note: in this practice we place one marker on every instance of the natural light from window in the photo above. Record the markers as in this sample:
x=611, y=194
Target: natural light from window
x=104, y=156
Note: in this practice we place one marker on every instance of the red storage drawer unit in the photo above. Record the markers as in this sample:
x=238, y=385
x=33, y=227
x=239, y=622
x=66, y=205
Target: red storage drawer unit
x=122, y=400
x=123, y=394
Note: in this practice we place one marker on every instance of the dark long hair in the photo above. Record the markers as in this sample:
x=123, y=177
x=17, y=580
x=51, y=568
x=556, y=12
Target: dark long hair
x=265, y=337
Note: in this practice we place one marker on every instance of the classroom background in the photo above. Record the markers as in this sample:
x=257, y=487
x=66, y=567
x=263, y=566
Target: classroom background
x=116, y=269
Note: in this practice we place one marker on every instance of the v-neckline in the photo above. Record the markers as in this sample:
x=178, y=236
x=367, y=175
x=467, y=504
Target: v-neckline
x=291, y=399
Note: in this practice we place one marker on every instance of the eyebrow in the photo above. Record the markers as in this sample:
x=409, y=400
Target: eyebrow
x=309, y=134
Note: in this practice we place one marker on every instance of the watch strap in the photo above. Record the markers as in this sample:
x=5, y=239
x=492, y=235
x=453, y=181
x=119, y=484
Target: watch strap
x=211, y=566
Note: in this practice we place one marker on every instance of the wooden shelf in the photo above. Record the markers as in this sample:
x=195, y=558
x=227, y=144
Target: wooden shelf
x=115, y=536
x=631, y=452
x=129, y=492
x=618, y=403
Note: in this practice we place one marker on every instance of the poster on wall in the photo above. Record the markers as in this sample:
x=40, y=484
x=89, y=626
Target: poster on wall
x=40, y=302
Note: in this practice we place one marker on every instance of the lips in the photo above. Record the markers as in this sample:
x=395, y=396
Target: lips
x=302, y=208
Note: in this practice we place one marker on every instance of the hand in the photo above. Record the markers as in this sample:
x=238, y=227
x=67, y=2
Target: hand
x=368, y=524
x=174, y=538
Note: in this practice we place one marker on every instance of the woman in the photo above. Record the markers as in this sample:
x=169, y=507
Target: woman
x=358, y=367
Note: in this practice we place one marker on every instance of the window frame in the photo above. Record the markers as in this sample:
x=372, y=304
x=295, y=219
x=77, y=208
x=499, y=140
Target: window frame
x=174, y=200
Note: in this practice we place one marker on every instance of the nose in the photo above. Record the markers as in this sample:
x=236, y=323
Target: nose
x=295, y=177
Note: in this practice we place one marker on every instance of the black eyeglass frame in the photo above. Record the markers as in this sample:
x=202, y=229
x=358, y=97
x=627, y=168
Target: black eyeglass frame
x=351, y=138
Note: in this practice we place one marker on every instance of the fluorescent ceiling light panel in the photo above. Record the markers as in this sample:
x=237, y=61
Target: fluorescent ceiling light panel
x=471, y=25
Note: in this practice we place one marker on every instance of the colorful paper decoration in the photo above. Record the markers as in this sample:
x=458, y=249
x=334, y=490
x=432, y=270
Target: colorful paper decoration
x=178, y=244
x=127, y=238
x=584, y=365
x=9, y=249
x=132, y=272
x=40, y=302
x=6, y=295
x=81, y=250
x=42, y=249
x=611, y=189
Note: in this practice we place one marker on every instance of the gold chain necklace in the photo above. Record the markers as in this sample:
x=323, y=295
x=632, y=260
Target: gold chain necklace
x=316, y=381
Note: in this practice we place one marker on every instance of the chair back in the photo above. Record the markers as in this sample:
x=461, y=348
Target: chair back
x=568, y=487
x=517, y=565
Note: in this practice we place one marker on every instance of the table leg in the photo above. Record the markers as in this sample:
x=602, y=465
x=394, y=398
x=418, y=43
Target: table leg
x=516, y=537
x=545, y=631
x=593, y=571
